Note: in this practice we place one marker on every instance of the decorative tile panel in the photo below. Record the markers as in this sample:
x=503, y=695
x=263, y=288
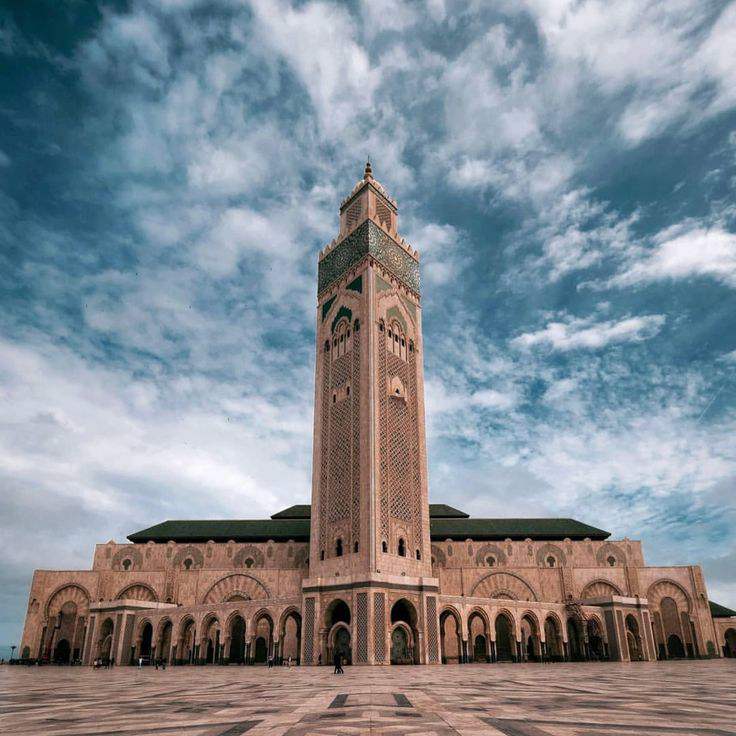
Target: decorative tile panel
x=367, y=239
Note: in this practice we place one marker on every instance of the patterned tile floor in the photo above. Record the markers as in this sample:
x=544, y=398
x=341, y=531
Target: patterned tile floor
x=657, y=699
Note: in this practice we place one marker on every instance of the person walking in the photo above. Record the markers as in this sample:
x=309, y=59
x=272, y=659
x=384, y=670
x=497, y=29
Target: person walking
x=140, y=662
x=338, y=664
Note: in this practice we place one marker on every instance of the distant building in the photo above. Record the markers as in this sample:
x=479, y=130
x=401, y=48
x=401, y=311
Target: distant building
x=372, y=570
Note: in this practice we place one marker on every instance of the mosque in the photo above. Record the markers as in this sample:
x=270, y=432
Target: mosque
x=371, y=569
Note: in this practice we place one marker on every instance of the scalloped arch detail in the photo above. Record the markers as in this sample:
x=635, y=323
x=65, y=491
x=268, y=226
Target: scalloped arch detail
x=439, y=556
x=129, y=552
x=600, y=589
x=137, y=592
x=249, y=552
x=551, y=549
x=668, y=589
x=490, y=549
x=504, y=585
x=610, y=550
x=237, y=586
x=71, y=593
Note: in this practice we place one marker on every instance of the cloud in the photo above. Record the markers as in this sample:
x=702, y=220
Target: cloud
x=581, y=333
x=682, y=253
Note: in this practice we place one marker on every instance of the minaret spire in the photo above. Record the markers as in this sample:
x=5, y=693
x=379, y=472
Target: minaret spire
x=368, y=173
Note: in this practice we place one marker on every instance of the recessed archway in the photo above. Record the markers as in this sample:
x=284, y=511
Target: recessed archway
x=505, y=639
x=404, y=633
x=451, y=647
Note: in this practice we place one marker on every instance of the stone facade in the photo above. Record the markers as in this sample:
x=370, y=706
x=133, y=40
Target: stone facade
x=371, y=571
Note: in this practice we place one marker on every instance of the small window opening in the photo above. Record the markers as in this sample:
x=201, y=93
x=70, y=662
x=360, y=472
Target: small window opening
x=419, y=555
x=327, y=346
x=384, y=547
x=126, y=564
x=434, y=562
x=342, y=337
x=188, y=563
x=551, y=561
x=334, y=343
x=355, y=547
x=491, y=561
x=390, y=334
x=380, y=326
x=347, y=391
x=411, y=346
x=357, y=325
x=249, y=562
x=403, y=342
x=402, y=548
x=348, y=333
x=612, y=561
x=334, y=398
x=338, y=548
x=322, y=555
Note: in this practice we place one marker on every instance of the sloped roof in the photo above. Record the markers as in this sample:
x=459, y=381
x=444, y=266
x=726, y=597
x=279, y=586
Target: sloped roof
x=719, y=611
x=304, y=511
x=293, y=523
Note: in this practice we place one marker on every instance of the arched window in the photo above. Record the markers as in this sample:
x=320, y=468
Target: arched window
x=355, y=547
x=327, y=346
x=611, y=561
x=384, y=547
x=551, y=561
x=126, y=564
x=338, y=548
x=402, y=548
x=397, y=340
x=380, y=326
x=419, y=555
x=249, y=562
x=491, y=561
x=188, y=563
x=356, y=326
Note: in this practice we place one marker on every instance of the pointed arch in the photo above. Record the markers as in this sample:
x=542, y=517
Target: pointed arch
x=667, y=588
x=137, y=592
x=600, y=588
x=69, y=592
x=504, y=585
x=236, y=586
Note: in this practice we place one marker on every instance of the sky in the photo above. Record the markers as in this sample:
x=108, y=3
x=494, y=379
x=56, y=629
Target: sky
x=170, y=170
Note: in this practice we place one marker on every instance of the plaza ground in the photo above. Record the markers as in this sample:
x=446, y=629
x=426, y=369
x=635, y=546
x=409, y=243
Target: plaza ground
x=656, y=699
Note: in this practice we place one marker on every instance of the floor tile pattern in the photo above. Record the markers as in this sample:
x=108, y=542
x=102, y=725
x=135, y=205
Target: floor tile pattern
x=647, y=699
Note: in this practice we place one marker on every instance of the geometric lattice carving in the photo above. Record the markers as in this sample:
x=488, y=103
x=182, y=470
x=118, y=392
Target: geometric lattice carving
x=236, y=586
x=668, y=589
x=600, y=589
x=137, y=592
x=504, y=585
x=130, y=553
x=309, y=631
x=356, y=447
x=383, y=432
x=248, y=553
x=490, y=550
x=69, y=593
x=399, y=447
x=547, y=550
x=610, y=550
x=361, y=625
x=432, y=629
x=189, y=553
x=379, y=626
x=340, y=444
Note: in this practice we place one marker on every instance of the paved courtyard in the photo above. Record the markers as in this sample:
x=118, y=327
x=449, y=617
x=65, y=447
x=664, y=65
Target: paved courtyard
x=657, y=699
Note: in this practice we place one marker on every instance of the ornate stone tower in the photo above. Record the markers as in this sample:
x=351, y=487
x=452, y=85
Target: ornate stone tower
x=369, y=540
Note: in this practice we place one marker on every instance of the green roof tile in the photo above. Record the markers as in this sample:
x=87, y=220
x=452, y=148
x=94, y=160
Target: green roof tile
x=719, y=611
x=293, y=523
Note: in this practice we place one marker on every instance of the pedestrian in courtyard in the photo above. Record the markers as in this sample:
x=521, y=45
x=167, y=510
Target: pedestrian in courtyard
x=319, y=659
x=338, y=664
x=140, y=662
x=270, y=661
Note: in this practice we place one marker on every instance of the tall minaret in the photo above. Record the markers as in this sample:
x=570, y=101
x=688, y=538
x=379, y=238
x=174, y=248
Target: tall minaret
x=370, y=512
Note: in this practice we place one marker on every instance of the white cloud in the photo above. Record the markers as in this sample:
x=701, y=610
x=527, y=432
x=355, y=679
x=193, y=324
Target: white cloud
x=681, y=253
x=579, y=333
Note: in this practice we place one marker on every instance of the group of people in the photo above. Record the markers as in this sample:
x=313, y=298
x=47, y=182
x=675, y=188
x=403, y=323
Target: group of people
x=284, y=662
x=101, y=663
x=158, y=662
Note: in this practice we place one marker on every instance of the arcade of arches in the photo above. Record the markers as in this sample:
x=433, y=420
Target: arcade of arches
x=371, y=571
